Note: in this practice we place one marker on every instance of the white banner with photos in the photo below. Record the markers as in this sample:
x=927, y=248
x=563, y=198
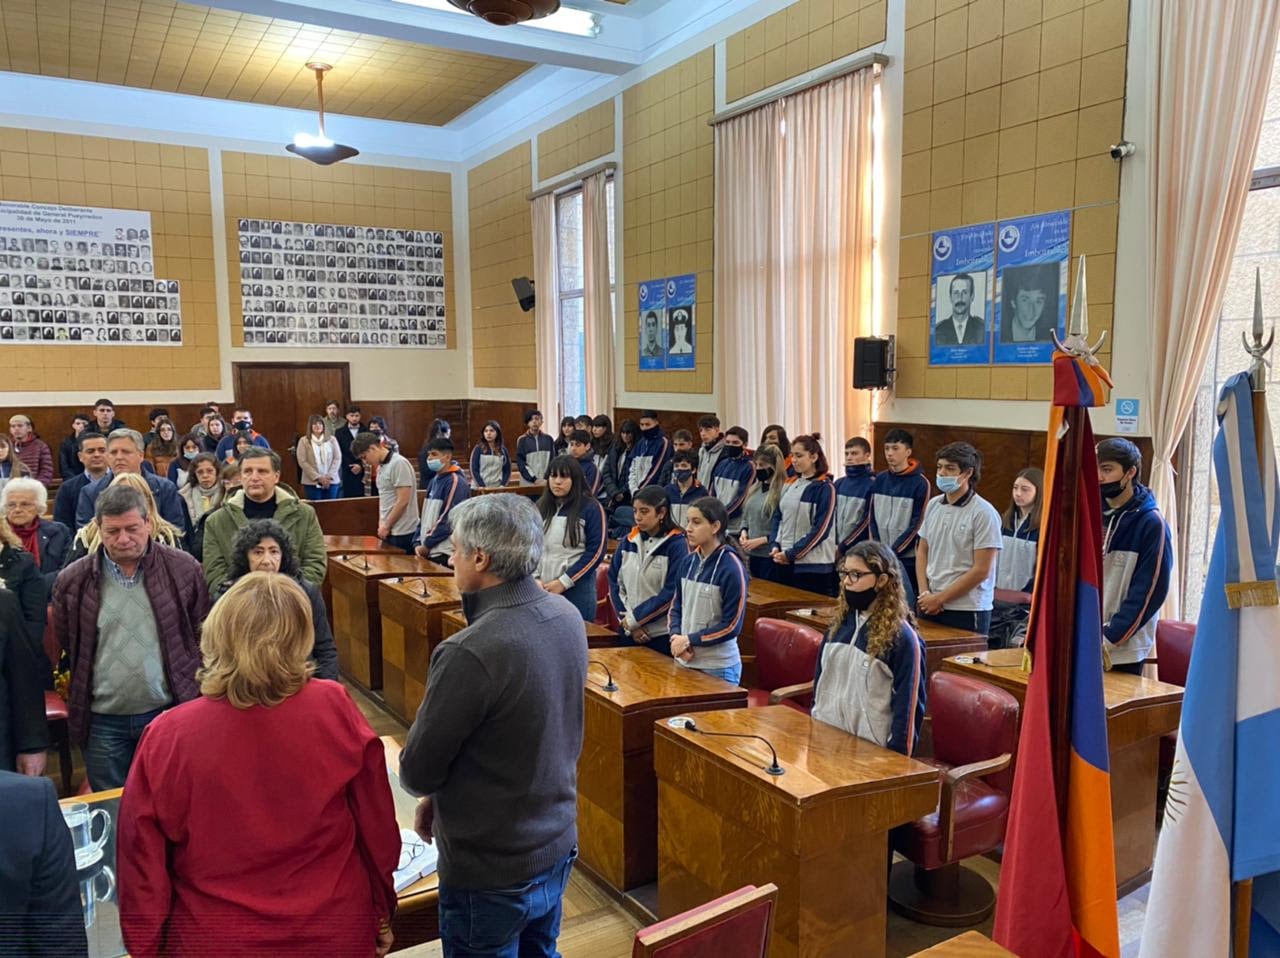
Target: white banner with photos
x=314, y=284
x=80, y=275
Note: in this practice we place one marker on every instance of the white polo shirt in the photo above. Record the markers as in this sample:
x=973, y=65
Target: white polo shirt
x=954, y=533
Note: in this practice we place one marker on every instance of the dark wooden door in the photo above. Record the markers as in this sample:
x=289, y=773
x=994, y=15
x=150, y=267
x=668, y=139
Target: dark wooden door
x=282, y=396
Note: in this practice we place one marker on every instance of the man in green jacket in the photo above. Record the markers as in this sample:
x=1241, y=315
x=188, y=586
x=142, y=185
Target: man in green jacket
x=262, y=497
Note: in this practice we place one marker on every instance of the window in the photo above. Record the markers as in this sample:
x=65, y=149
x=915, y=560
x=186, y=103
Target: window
x=572, y=298
x=1258, y=248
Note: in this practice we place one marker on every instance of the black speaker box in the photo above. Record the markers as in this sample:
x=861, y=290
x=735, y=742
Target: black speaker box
x=524, y=292
x=873, y=362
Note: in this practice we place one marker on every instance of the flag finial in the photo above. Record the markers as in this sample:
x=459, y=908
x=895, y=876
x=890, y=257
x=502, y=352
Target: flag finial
x=1258, y=349
x=1077, y=341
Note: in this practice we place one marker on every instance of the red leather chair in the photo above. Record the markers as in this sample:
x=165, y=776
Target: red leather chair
x=1173, y=658
x=738, y=924
x=55, y=708
x=975, y=735
x=786, y=657
x=604, y=607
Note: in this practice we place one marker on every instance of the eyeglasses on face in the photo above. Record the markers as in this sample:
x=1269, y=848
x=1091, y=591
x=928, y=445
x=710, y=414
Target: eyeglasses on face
x=853, y=575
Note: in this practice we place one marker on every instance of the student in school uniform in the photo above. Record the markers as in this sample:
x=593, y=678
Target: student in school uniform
x=803, y=538
x=776, y=435
x=712, y=447
x=898, y=497
x=1016, y=564
x=760, y=508
x=871, y=678
x=614, y=493
x=681, y=441
x=959, y=541
x=574, y=536
x=533, y=450
x=684, y=489
x=731, y=476
x=448, y=488
x=490, y=464
x=561, y=446
x=853, y=495
x=710, y=601
x=580, y=449
x=649, y=455
x=644, y=572
x=601, y=443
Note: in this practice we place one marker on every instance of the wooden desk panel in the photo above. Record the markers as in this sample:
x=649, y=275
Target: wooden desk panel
x=411, y=629
x=617, y=790
x=598, y=637
x=357, y=516
x=971, y=944
x=767, y=600
x=351, y=545
x=1139, y=712
x=533, y=492
x=940, y=641
x=819, y=831
x=357, y=624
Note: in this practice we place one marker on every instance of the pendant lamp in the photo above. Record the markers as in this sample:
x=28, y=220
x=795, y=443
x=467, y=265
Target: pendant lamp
x=506, y=13
x=320, y=149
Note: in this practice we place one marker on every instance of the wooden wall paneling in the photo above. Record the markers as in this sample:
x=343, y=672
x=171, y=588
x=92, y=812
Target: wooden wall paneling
x=671, y=419
x=508, y=415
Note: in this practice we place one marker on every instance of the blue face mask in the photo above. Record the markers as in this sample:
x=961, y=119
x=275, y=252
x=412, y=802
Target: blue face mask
x=191, y=455
x=947, y=483
x=435, y=465
x=682, y=475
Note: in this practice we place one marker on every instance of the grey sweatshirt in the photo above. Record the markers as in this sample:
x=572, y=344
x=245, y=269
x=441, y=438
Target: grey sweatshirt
x=496, y=739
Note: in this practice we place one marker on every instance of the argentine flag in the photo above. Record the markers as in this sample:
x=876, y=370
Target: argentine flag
x=1222, y=823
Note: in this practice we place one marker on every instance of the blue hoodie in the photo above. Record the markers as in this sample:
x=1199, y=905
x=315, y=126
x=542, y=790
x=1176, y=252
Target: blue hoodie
x=710, y=607
x=897, y=508
x=590, y=477
x=731, y=481
x=542, y=450
x=1137, y=553
x=804, y=525
x=448, y=488
x=647, y=459
x=643, y=575
x=681, y=501
x=853, y=507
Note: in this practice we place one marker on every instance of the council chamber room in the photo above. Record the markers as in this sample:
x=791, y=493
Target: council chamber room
x=606, y=478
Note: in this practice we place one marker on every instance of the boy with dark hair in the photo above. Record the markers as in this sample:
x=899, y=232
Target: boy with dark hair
x=580, y=449
x=648, y=457
x=684, y=489
x=448, y=488
x=681, y=441
x=154, y=417
x=898, y=497
x=397, y=490
x=534, y=450
x=711, y=448
x=1137, y=553
x=352, y=467
x=732, y=476
x=853, y=496
x=104, y=418
x=959, y=539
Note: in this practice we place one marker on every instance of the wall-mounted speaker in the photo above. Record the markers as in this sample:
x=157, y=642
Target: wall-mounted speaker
x=523, y=286
x=873, y=362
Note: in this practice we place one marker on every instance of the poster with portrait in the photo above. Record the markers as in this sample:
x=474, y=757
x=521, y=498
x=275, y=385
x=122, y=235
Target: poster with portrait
x=653, y=305
x=80, y=276
x=1032, y=257
x=334, y=284
x=682, y=295
x=960, y=307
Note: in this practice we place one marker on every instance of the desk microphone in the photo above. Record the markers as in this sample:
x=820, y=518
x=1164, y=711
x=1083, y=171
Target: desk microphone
x=424, y=586
x=364, y=559
x=774, y=769
x=609, y=686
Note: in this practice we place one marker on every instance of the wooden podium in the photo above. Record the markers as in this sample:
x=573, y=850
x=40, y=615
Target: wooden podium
x=768, y=600
x=598, y=637
x=357, y=624
x=1139, y=711
x=617, y=790
x=411, y=630
x=351, y=545
x=819, y=831
x=940, y=641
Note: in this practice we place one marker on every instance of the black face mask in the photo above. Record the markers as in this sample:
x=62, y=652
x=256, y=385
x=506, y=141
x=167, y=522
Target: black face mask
x=731, y=452
x=764, y=475
x=859, y=601
x=682, y=475
x=1112, y=490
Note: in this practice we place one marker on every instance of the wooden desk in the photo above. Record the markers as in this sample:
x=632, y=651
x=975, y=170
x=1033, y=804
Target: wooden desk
x=533, y=492
x=357, y=625
x=1139, y=711
x=617, y=790
x=940, y=641
x=768, y=600
x=357, y=516
x=411, y=630
x=598, y=636
x=819, y=832
x=971, y=944
x=351, y=545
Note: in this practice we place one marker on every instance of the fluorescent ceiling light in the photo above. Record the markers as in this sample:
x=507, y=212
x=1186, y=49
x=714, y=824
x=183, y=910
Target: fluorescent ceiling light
x=578, y=23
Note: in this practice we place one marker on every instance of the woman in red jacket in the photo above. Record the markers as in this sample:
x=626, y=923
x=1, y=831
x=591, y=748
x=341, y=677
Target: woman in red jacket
x=258, y=818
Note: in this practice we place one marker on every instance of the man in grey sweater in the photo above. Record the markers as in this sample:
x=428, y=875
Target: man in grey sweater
x=494, y=747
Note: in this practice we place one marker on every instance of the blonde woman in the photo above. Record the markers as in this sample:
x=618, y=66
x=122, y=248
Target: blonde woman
x=870, y=679
x=206, y=854
x=89, y=539
x=320, y=460
x=760, y=508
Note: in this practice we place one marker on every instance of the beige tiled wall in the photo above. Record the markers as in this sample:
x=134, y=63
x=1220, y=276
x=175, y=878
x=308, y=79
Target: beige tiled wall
x=806, y=35
x=501, y=249
x=576, y=141
x=1010, y=107
x=169, y=182
x=668, y=156
x=355, y=194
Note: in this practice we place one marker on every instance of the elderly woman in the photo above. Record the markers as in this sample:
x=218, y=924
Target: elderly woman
x=258, y=816
x=264, y=546
x=23, y=502
x=24, y=735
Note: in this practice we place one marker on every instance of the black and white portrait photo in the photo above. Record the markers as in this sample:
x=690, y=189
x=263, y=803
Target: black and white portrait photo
x=1029, y=302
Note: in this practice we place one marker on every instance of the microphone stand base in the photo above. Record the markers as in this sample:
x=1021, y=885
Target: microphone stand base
x=775, y=770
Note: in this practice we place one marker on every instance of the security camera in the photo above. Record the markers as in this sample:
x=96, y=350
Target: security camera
x=1122, y=149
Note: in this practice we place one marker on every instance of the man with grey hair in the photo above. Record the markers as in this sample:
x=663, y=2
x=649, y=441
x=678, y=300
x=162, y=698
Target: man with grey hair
x=494, y=747
x=125, y=449
x=129, y=616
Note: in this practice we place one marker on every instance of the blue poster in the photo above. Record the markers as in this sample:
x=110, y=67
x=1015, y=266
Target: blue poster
x=960, y=311
x=652, y=314
x=1031, y=286
x=682, y=294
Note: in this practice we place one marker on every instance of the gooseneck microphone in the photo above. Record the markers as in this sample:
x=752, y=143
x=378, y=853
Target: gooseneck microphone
x=609, y=686
x=423, y=583
x=774, y=769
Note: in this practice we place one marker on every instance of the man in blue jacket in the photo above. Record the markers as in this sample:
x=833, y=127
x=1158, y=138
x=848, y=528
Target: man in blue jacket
x=898, y=497
x=241, y=425
x=732, y=474
x=124, y=454
x=1137, y=553
x=448, y=488
x=649, y=455
x=853, y=496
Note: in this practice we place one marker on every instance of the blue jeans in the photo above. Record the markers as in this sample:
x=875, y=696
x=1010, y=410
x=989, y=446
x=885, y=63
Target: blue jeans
x=319, y=493
x=521, y=921
x=732, y=674
x=583, y=596
x=112, y=741
x=405, y=542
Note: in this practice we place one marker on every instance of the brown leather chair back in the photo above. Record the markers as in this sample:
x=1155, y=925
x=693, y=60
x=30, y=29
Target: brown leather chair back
x=1173, y=650
x=786, y=654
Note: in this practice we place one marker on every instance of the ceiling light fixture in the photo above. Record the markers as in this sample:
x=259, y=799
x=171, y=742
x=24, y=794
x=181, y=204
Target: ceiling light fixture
x=558, y=19
x=319, y=148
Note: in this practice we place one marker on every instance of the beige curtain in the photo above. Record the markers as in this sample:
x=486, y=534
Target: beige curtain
x=545, y=334
x=597, y=316
x=1214, y=64
x=794, y=242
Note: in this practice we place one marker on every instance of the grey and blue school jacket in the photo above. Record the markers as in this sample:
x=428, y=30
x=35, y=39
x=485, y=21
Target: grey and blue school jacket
x=448, y=488
x=590, y=476
x=853, y=507
x=1137, y=553
x=1016, y=564
x=533, y=456
x=647, y=458
x=881, y=699
x=731, y=481
x=490, y=469
x=570, y=563
x=897, y=508
x=804, y=525
x=708, y=457
x=710, y=606
x=681, y=501
x=643, y=575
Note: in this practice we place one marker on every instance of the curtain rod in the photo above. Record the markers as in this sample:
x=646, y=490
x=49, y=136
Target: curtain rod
x=822, y=76
x=558, y=185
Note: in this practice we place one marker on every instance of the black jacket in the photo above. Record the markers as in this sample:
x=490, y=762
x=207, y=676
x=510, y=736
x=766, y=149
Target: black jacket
x=69, y=463
x=55, y=544
x=23, y=579
x=22, y=724
x=613, y=479
x=40, y=913
x=352, y=483
x=323, y=652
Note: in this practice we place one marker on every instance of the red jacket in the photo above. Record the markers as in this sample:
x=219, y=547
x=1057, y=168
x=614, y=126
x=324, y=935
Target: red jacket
x=179, y=598
x=258, y=831
x=38, y=459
